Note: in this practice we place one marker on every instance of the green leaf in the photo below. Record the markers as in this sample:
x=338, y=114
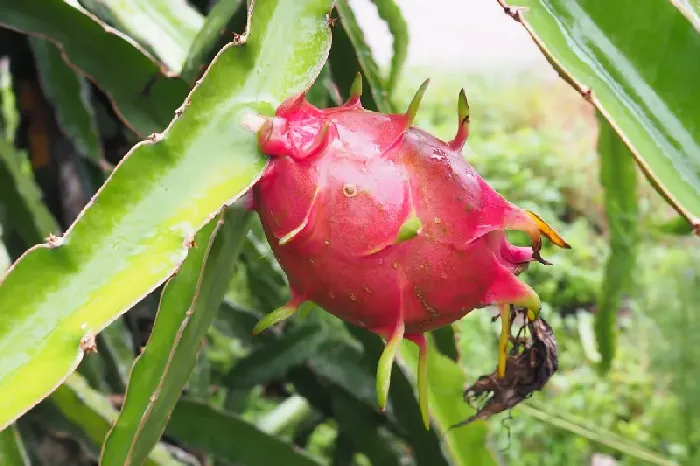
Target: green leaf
x=143, y=96
x=343, y=365
x=583, y=430
x=136, y=232
x=166, y=28
x=188, y=305
x=285, y=416
x=645, y=87
x=94, y=414
x=467, y=445
x=350, y=51
x=445, y=339
x=231, y=438
x=266, y=280
x=344, y=451
x=359, y=423
x=426, y=445
x=274, y=359
x=12, y=451
x=220, y=24
x=92, y=368
x=9, y=118
x=22, y=197
x=390, y=12
x=198, y=384
x=4, y=258
x=238, y=322
x=691, y=9
x=618, y=175
x=678, y=226
x=70, y=95
x=117, y=351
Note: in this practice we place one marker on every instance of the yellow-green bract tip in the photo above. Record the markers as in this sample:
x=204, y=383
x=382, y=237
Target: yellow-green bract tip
x=409, y=229
x=463, y=108
x=278, y=315
x=386, y=362
x=415, y=103
x=423, y=393
x=356, y=89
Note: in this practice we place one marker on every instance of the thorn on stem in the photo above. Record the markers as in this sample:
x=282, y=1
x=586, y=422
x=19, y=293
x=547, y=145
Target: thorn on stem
x=54, y=241
x=88, y=343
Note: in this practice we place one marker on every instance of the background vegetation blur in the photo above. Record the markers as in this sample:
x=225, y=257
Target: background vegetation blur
x=533, y=138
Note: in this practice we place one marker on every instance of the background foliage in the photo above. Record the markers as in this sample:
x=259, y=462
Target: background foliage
x=180, y=380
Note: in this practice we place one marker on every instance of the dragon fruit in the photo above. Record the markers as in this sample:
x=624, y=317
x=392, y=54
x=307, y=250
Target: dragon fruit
x=388, y=227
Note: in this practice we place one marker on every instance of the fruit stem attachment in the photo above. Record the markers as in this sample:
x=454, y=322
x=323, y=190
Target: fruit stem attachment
x=386, y=362
x=503, y=339
x=252, y=121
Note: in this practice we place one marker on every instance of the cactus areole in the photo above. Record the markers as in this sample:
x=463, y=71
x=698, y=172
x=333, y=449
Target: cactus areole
x=388, y=227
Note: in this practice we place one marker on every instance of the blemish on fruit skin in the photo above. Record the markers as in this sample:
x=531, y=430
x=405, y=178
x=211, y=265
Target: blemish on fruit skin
x=353, y=297
x=350, y=190
x=395, y=265
x=431, y=310
x=367, y=290
x=327, y=242
x=437, y=220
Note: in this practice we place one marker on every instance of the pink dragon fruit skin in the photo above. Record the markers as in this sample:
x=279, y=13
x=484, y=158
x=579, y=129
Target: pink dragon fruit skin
x=388, y=227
